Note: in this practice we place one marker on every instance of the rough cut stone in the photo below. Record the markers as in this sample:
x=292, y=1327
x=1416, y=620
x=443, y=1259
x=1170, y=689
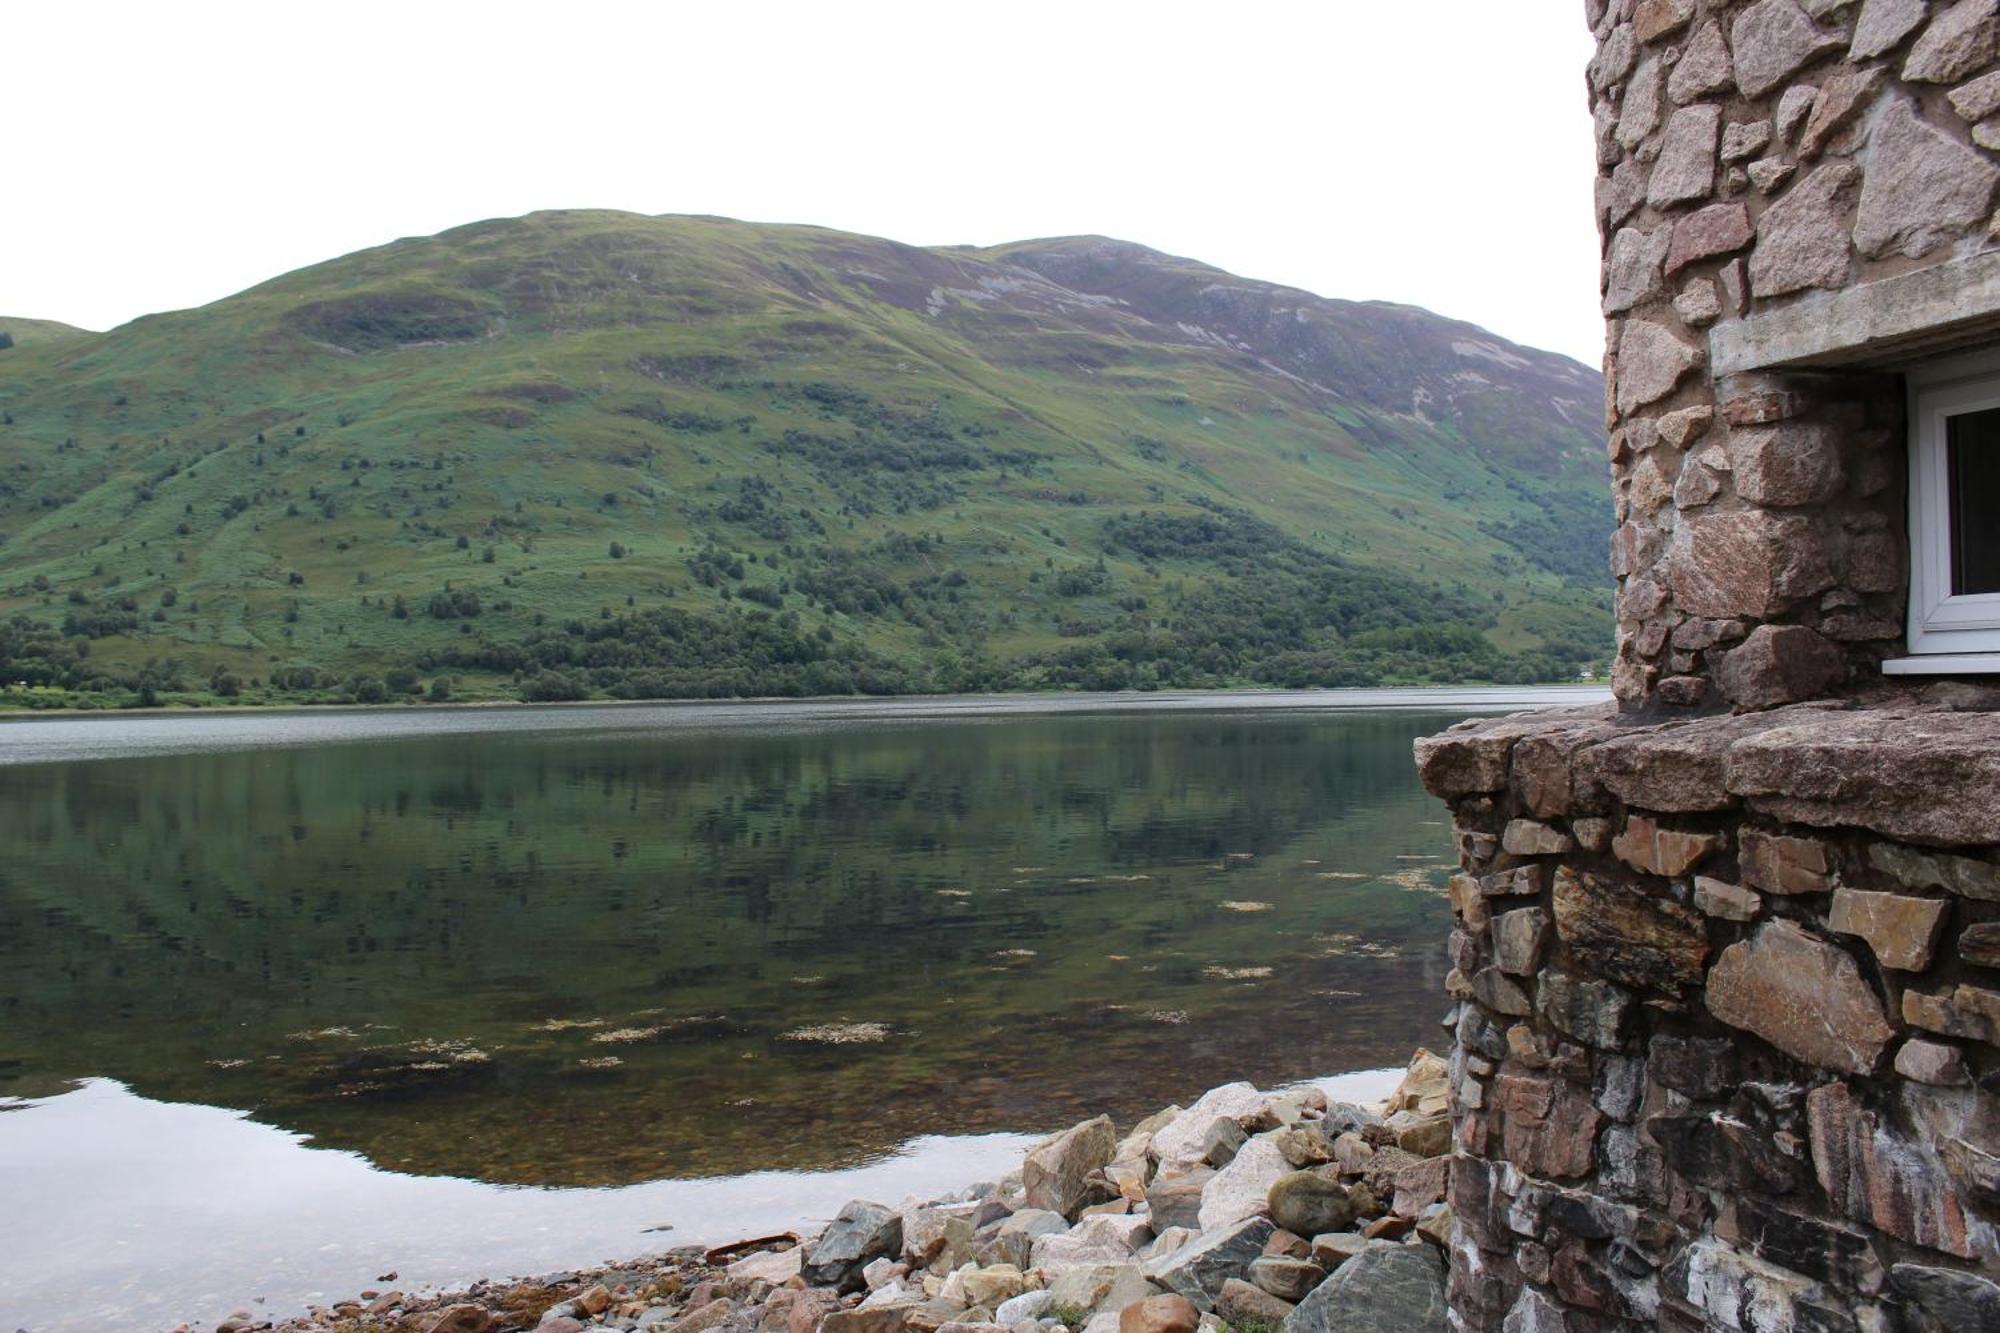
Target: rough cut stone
x=1958, y=42
x=1647, y=847
x=1633, y=268
x=1931, y=1062
x=1593, y=1012
x=1686, y=167
x=1768, y=173
x=1729, y=902
x=1980, y=944
x=1654, y=19
x=1056, y=1173
x=1802, y=238
x=1529, y=837
x=1933, y=870
x=1791, y=463
x=1883, y=25
x=1387, y=1288
x=1645, y=98
x=1872, y=1174
x=1922, y=187
x=1778, y=665
x=1924, y=777
x=1651, y=362
x=1978, y=99
x=1682, y=428
x=1614, y=59
x=1839, y=98
x=1518, y=940
x=1801, y=994
x=1771, y=39
x=1719, y=229
x=1622, y=932
x=1954, y=1298
x=1742, y=139
x=1903, y=931
x=1793, y=108
x=1704, y=67
x=1500, y=993
x=1748, y=563
x=1548, y=1127
x=1779, y=864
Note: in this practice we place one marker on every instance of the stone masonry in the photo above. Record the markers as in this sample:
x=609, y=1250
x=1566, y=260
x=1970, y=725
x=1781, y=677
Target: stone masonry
x=1726, y=965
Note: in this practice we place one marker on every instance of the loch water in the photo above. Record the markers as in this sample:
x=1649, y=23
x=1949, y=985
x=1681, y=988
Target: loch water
x=291, y=1000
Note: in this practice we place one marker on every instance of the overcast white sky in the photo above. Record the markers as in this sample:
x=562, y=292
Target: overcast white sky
x=158, y=156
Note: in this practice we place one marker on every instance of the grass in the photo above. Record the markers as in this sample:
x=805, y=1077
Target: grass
x=258, y=481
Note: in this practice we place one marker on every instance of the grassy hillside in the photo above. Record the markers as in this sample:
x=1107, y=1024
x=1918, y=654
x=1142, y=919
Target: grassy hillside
x=594, y=454
x=15, y=331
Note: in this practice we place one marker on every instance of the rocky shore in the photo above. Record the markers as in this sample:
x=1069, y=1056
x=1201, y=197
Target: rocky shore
x=1246, y=1211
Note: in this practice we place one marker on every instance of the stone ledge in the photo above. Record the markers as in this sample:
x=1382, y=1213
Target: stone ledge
x=1922, y=768
x=1937, y=309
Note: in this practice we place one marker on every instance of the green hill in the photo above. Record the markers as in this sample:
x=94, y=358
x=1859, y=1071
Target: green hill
x=593, y=454
x=15, y=331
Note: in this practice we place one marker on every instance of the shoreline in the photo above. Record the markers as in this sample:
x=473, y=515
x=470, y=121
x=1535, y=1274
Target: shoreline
x=1115, y=700
x=1244, y=1209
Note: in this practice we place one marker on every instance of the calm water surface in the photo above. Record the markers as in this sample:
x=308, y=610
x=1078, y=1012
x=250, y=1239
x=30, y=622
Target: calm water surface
x=531, y=981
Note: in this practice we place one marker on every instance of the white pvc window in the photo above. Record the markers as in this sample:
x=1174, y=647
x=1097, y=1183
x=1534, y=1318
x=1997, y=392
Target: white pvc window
x=1954, y=520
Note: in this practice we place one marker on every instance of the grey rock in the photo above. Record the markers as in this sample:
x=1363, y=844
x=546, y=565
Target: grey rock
x=1057, y=1170
x=1934, y=870
x=861, y=1232
x=1704, y=67
x=1793, y=108
x=1239, y=1189
x=1240, y=1302
x=1959, y=41
x=1922, y=188
x=1883, y=25
x=1028, y=1305
x=1745, y=138
x=1014, y=1241
x=1772, y=39
x=1686, y=169
x=1802, y=238
x=1594, y=1012
x=1198, y=1269
x=1223, y=1140
x=1174, y=1197
x=1518, y=940
x=1387, y=1288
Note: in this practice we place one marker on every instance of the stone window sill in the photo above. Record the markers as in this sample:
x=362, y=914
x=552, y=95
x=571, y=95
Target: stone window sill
x=1944, y=664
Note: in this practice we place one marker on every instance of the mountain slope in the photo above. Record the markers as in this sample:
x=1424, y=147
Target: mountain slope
x=588, y=452
x=14, y=330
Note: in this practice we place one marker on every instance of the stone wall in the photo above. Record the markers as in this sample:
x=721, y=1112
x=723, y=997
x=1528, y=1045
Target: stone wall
x=1728, y=1019
x=1756, y=158
x=1726, y=965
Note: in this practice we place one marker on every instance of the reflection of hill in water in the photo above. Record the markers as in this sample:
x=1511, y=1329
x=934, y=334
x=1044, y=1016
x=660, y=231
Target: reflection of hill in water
x=368, y=943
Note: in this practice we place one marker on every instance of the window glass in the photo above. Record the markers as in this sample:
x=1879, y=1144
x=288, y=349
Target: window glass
x=1973, y=467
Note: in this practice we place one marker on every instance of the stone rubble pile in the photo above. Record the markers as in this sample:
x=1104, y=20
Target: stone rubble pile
x=1245, y=1211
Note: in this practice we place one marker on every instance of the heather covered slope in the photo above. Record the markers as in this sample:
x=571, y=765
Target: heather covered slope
x=593, y=453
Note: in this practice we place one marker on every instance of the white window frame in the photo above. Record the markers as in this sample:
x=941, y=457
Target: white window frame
x=1947, y=634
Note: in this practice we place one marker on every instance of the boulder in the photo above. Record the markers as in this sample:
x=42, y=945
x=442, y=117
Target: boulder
x=937, y=1238
x=1310, y=1204
x=1239, y=1303
x=1220, y=1143
x=1198, y=1269
x=1014, y=1241
x=1103, y=1239
x=1180, y=1141
x=1304, y=1144
x=1387, y=1288
x=1240, y=1189
x=1159, y=1314
x=861, y=1232
x=1099, y=1287
x=1174, y=1197
x=1056, y=1173
x=1287, y=1279
x=1336, y=1248
x=1028, y=1305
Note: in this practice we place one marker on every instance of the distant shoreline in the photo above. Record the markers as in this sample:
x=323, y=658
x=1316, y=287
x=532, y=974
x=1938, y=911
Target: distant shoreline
x=1068, y=701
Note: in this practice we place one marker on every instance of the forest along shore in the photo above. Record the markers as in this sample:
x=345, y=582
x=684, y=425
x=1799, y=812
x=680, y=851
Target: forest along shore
x=1247, y=1209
